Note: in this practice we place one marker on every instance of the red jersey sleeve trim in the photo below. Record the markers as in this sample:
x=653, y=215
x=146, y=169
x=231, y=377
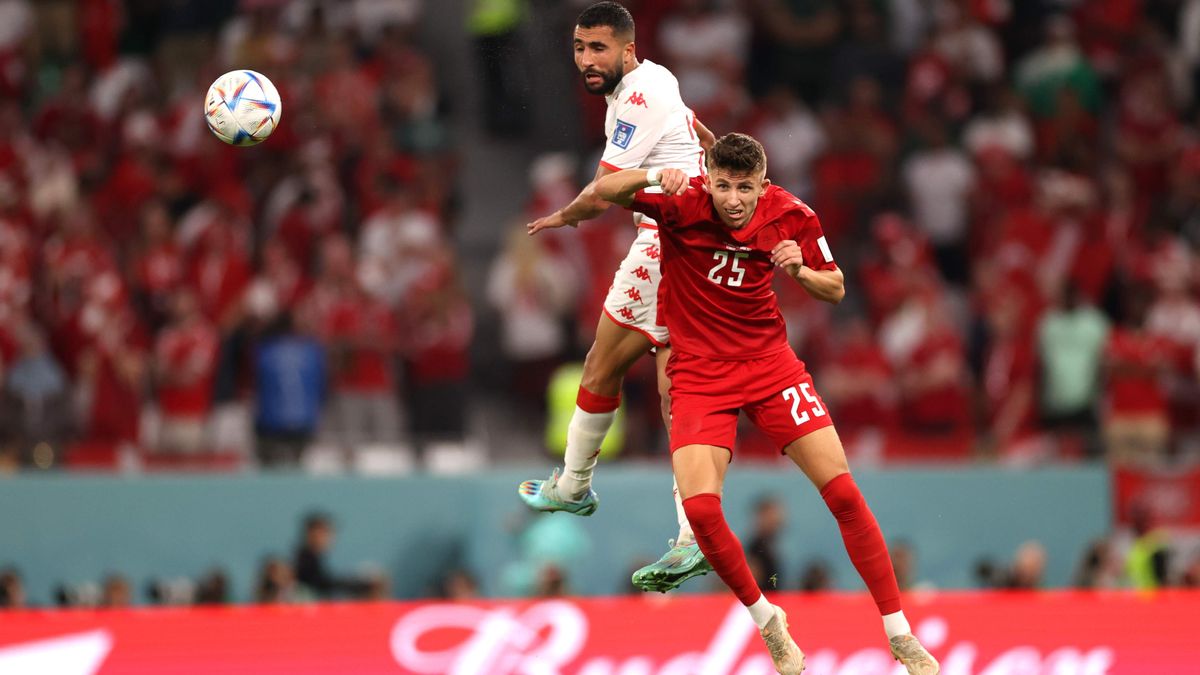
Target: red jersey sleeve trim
x=610, y=167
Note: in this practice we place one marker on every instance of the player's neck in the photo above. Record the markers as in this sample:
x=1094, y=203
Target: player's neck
x=632, y=68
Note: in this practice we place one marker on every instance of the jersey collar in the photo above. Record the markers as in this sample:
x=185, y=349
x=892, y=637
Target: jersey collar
x=630, y=80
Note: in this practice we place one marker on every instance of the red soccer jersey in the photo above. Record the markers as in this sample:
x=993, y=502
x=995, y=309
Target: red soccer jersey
x=717, y=281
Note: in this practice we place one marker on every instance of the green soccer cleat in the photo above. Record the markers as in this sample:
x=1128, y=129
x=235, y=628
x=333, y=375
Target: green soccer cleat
x=675, y=567
x=542, y=495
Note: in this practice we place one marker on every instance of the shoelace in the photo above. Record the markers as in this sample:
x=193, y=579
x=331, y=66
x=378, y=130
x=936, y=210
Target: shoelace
x=776, y=642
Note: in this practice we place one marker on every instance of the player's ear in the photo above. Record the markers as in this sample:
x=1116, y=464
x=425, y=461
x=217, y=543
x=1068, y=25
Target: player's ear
x=766, y=182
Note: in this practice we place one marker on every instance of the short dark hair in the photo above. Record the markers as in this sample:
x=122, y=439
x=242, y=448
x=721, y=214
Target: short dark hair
x=738, y=153
x=609, y=14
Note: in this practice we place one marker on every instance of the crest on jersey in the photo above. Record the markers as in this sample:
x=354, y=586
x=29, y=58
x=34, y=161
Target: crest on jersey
x=622, y=134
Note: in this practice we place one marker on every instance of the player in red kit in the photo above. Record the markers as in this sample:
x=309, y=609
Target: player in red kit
x=722, y=236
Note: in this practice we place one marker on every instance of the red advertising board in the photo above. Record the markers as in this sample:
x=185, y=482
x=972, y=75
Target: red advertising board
x=971, y=633
x=1172, y=496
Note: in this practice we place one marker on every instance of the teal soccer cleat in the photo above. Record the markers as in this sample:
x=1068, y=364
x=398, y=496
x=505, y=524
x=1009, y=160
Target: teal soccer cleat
x=676, y=566
x=542, y=495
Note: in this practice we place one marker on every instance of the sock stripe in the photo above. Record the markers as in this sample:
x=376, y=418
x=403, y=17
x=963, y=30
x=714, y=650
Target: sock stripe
x=595, y=403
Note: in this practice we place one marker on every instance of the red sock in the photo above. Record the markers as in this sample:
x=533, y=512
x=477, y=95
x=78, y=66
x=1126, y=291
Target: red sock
x=721, y=546
x=864, y=541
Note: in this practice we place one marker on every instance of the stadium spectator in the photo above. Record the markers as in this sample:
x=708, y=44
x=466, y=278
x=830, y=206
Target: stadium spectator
x=1100, y=567
x=1135, y=421
x=185, y=363
x=438, y=326
x=816, y=577
x=551, y=582
x=860, y=387
x=705, y=45
x=276, y=583
x=360, y=335
x=212, y=588
x=37, y=389
x=792, y=136
x=291, y=380
x=1148, y=561
x=904, y=562
x=762, y=550
x=312, y=571
x=1071, y=339
x=1056, y=66
x=793, y=43
x=115, y=592
x=1028, y=567
x=1190, y=578
x=531, y=289
x=939, y=179
x=458, y=584
x=496, y=28
x=12, y=589
x=865, y=54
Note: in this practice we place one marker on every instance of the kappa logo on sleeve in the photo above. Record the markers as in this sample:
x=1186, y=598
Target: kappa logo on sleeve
x=623, y=134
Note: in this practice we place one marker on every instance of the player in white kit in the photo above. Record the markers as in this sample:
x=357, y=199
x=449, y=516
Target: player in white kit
x=647, y=125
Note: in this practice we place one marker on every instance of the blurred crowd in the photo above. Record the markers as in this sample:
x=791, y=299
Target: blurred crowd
x=1013, y=189
x=167, y=298
x=1143, y=556
x=305, y=576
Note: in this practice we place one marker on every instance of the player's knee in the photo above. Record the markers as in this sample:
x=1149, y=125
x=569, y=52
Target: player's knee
x=843, y=497
x=704, y=512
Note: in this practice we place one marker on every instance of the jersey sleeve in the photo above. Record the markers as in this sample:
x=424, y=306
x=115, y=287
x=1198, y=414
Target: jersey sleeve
x=805, y=228
x=654, y=204
x=642, y=120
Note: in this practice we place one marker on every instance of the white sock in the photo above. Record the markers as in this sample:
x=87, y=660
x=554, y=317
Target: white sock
x=686, y=538
x=585, y=433
x=761, y=611
x=895, y=624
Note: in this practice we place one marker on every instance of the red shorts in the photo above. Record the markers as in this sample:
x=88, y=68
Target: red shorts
x=776, y=392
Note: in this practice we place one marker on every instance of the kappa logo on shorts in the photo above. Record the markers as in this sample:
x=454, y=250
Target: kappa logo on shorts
x=623, y=134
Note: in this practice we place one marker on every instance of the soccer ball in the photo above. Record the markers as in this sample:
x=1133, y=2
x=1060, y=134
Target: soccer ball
x=242, y=107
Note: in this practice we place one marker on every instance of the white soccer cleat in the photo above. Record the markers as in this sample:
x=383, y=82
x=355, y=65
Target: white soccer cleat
x=909, y=652
x=786, y=656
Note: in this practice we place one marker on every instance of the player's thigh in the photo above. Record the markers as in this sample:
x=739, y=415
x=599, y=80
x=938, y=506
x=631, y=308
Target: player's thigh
x=615, y=350
x=819, y=455
x=700, y=469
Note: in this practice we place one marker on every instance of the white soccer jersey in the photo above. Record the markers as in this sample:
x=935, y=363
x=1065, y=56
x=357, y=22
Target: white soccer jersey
x=649, y=126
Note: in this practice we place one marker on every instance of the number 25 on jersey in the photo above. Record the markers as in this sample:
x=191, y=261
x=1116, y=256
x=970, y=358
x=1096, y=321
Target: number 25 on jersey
x=792, y=395
x=736, y=271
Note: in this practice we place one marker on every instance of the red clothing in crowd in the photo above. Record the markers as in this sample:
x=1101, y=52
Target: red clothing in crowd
x=187, y=359
x=945, y=406
x=1134, y=381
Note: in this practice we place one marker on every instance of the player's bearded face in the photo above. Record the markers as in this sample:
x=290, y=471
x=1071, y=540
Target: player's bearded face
x=599, y=56
x=735, y=196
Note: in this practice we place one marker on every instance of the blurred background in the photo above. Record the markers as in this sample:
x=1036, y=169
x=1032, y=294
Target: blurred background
x=318, y=367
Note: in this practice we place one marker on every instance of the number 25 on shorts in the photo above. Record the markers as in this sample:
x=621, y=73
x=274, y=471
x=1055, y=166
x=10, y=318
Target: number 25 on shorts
x=793, y=395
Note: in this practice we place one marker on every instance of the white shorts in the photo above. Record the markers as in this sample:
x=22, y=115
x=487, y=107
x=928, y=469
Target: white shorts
x=632, y=300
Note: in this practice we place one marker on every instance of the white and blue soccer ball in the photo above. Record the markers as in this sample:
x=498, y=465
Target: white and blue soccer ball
x=242, y=107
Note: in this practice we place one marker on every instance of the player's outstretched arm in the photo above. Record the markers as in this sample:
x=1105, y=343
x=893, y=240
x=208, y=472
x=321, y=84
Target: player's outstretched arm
x=824, y=285
x=585, y=206
x=620, y=187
